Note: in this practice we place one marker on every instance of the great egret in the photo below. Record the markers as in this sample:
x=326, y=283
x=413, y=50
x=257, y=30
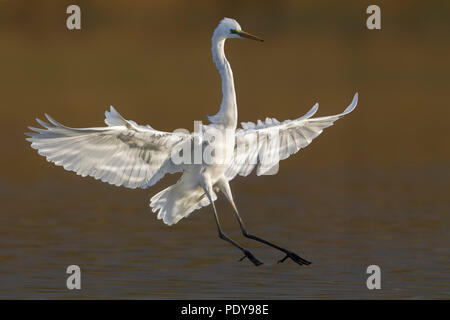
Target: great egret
x=127, y=154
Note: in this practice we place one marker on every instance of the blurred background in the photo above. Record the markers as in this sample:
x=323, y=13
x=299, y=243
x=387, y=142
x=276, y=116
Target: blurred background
x=373, y=189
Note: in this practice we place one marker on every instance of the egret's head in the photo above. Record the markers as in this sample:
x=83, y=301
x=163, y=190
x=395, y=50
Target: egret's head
x=230, y=28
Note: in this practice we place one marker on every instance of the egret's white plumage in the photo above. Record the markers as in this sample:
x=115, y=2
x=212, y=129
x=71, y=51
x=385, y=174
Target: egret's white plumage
x=127, y=154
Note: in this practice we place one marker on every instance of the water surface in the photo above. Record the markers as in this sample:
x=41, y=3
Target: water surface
x=332, y=217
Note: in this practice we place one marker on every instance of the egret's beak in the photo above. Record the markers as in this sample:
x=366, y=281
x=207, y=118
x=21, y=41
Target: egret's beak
x=244, y=34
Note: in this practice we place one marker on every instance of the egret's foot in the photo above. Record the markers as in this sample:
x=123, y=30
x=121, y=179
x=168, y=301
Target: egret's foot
x=251, y=257
x=295, y=258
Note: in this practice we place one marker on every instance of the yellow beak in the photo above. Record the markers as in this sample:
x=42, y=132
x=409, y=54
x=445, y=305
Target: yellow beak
x=244, y=34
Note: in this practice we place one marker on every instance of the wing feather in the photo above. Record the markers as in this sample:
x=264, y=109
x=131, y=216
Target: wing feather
x=123, y=153
x=277, y=140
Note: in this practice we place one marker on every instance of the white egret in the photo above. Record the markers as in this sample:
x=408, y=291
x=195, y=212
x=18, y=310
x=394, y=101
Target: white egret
x=127, y=154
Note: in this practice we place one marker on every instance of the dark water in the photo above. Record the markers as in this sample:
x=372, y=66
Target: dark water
x=333, y=217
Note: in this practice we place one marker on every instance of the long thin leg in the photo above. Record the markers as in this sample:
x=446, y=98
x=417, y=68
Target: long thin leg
x=223, y=236
x=289, y=254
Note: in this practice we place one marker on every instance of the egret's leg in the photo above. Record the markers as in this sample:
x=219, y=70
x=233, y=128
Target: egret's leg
x=225, y=187
x=289, y=254
x=223, y=236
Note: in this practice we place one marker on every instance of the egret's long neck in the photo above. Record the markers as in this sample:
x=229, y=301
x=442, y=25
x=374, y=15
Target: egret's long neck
x=227, y=114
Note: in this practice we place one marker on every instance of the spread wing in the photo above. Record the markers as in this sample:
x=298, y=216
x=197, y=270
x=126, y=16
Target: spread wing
x=266, y=143
x=122, y=154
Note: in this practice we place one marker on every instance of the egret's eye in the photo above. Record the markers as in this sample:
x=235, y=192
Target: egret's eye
x=234, y=31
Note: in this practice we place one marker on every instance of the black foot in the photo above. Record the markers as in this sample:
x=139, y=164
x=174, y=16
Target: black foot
x=251, y=257
x=295, y=258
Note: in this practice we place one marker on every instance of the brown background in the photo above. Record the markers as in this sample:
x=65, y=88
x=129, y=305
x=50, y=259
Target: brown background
x=379, y=175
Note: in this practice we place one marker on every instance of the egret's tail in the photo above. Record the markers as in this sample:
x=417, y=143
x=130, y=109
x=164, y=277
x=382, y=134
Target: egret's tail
x=178, y=201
